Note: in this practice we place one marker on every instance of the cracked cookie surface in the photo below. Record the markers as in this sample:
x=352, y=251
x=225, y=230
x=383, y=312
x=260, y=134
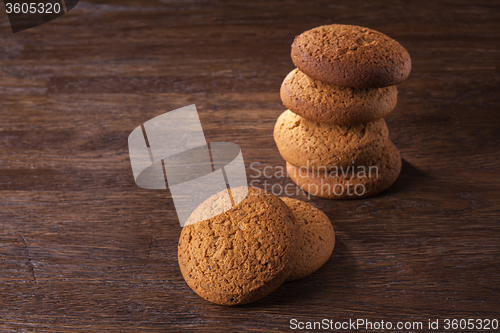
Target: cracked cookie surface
x=309, y=144
x=377, y=175
x=351, y=56
x=241, y=255
x=315, y=239
x=344, y=106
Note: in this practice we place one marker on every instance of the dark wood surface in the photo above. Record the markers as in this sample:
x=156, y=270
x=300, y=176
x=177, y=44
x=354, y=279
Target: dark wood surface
x=82, y=248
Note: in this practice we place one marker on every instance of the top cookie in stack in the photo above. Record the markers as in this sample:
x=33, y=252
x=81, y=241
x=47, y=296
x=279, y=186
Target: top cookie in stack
x=343, y=85
x=351, y=56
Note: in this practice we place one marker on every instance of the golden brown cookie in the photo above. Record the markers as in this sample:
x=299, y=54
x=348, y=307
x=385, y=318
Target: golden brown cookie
x=315, y=239
x=351, y=56
x=310, y=144
x=363, y=181
x=241, y=255
x=344, y=106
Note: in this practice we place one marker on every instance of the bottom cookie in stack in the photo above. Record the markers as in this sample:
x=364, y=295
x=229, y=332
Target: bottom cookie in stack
x=357, y=181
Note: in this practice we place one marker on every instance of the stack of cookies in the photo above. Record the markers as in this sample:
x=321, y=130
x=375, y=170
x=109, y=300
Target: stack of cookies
x=333, y=135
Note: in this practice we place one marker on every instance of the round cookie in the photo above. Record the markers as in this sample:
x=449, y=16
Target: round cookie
x=353, y=183
x=315, y=239
x=351, y=56
x=241, y=255
x=327, y=103
x=306, y=143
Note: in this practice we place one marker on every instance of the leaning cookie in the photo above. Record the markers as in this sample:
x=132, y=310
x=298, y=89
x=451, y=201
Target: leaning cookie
x=351, y=56
x=327, y=103
x=241, y=255
x=306, y=143
x=315, y=239
x=361, y=181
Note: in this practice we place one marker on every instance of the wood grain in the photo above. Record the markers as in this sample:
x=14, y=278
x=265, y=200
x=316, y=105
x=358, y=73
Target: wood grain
x=82, y=248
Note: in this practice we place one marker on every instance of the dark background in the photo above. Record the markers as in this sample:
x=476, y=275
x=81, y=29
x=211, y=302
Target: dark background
x=83, y=248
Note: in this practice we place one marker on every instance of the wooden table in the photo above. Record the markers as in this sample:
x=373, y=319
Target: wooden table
x=82, y=248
